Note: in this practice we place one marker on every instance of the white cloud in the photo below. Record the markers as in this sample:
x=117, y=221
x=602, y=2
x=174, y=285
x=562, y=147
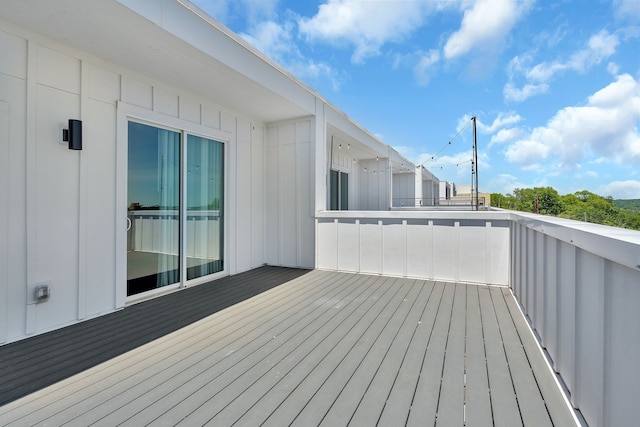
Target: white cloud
x=606, y=128
x=366, y=26
x=485, y=23
x=512, y=93
x=273, y=39
x=277, y=41
x=504, y=183
x=425, y=66
x=258, y=10
x=627, y=10
x=599, y=47
x=621, y=189
x=252, y=11
x=505, y=135
x=613, y=68
x=527, y=153
x=501, y=120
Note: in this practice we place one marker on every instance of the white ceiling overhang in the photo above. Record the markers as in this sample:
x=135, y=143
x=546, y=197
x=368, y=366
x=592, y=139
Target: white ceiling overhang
x=173, y=42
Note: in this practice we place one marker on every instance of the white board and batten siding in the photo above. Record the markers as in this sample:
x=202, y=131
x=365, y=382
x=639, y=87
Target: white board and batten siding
x=58, y=215
x=374, y=183
x=290, y=199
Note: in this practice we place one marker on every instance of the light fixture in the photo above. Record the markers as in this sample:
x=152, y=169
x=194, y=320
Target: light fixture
x=73, y=134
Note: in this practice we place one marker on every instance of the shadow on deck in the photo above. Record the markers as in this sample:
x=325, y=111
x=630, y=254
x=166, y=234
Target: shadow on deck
x=42, y=360
x=325, y=348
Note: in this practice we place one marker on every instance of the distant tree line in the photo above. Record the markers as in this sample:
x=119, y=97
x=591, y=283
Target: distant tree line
x=581, y=206
x=629, y=204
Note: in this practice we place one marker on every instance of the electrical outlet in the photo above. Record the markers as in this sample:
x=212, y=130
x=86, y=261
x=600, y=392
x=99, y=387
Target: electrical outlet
x=38, y=293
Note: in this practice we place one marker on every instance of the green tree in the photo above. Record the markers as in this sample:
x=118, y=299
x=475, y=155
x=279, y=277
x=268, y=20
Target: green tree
x=546, y=199
x=581, y=205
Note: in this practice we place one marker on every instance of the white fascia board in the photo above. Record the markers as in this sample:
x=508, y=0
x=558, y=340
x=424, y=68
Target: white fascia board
x=351, y=129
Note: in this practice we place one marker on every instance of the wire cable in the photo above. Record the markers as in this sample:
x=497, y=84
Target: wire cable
x=448, y=143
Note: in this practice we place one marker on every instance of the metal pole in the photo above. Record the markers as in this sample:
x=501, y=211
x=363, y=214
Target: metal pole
x=475, y=160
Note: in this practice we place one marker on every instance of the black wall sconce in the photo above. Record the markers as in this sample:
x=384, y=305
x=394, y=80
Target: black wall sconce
x=73, y=134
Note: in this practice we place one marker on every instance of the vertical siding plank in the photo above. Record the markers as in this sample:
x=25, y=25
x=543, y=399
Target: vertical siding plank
x=589, y=363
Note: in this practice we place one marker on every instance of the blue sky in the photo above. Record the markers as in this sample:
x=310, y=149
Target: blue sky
x=555, y=85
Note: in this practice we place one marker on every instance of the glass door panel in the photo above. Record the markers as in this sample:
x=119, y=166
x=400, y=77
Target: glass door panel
x=205, y=197
x=344, y=191
x=333, y=190
x=153, y=200
x=338, y=190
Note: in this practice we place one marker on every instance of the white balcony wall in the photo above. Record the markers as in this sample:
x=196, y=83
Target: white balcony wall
x=449, y=246
x=579, y=285
x=290, y=171
x=59, y=214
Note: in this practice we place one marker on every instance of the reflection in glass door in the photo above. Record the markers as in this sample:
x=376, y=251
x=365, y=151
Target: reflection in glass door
x=158, y=253
x=205, y=196
x=153, y=200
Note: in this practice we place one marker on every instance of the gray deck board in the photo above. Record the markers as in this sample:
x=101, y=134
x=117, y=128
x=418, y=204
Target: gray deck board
x=374, y=399
x=551, y=394
x=296, y=398
x=345, y=406
x=504, y=404
x=64, y=352
x=221, y=377
x=399, y=401
x=329, y=349
x=451, y=400
x=532, y=409
x=299, y=382
x=124, y=379
x=328, y=395
x=425, y=400
x=477, y=397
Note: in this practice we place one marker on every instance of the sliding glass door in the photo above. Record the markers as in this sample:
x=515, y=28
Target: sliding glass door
x=175, y=198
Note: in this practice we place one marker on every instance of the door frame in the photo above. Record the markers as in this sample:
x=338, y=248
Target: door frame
x=4, y=220
x=125, y=113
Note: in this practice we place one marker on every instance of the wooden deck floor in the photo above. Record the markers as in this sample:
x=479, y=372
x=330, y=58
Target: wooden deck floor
x=323, y=349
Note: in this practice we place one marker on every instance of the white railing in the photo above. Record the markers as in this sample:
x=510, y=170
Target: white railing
x=455, y=246
x=578, y=284
x=158, y=231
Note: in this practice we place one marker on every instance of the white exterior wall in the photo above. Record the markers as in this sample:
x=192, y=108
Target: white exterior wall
x=404, y=188
x=290, y=210
x=374, y=185
x=58, y=217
